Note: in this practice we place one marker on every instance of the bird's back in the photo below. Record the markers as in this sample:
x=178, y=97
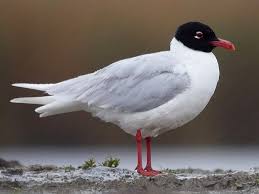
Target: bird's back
x=136, y=84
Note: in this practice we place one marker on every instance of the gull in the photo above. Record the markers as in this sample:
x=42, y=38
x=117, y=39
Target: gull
x=146, y=95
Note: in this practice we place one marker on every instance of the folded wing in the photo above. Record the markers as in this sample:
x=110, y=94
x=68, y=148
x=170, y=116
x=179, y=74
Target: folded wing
x=132, y=85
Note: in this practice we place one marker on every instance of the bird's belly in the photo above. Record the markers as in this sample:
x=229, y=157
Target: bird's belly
x=181, y=109
x=175, y=113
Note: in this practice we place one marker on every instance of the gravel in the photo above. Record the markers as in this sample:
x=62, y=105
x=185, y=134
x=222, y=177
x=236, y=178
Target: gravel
x=52, y=179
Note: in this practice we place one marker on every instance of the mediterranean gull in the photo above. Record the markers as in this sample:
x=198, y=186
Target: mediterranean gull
x=145, y=95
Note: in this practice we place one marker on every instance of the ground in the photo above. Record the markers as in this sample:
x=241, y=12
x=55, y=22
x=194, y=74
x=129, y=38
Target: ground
x=15, y=178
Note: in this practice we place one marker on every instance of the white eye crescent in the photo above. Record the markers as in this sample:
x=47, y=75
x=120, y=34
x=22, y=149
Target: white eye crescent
x=198, y=35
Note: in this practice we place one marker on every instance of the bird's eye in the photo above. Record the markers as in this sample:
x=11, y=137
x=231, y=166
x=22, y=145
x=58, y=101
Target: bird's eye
x=198, y=35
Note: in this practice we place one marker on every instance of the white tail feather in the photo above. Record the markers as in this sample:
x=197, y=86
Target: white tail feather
x=41, y=87
x=58, y=107
x=34, y=100
x=52, y=105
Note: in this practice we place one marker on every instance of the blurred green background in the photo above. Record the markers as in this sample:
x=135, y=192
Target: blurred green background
x=45, y=41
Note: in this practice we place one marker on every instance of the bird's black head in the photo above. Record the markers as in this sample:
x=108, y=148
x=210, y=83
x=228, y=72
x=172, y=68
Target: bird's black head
x=201, y=37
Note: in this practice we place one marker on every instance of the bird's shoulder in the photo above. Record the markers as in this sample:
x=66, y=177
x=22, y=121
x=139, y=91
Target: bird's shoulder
x=146, y=64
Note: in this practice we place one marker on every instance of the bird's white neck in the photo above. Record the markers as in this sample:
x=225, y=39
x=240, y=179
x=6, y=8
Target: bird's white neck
x=181, y=51
x=175, y=44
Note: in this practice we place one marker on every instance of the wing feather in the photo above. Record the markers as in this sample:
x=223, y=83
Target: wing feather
x=132, y=85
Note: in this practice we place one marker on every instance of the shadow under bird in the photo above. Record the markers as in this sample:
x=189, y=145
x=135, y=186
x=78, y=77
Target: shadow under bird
x=145, y=95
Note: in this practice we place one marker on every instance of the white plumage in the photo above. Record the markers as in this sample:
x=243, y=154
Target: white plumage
x=155, y=92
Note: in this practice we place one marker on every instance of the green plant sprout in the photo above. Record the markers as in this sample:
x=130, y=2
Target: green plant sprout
x=69, y=168
x=89, y=164
x=111, y=162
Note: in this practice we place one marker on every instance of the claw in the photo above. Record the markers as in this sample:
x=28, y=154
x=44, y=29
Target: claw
x=149, y=169
x=142, y=172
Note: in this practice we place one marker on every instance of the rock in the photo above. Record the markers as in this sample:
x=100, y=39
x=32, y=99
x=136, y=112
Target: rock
x=40, y=168
x=9, y=164
x=13, y=171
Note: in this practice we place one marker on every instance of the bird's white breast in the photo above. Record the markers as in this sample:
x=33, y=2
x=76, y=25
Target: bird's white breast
x=204, y=74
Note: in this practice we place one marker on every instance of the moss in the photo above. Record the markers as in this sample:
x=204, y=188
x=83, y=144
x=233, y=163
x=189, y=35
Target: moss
x=170, y=171
x=178, y=171
x=69, y=168
x=239, y=186
x=16, y=190
x=186, y=171
x=111, y=162
x=219, y=171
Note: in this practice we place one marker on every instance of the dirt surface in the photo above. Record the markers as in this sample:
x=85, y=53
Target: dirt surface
x=52, y=179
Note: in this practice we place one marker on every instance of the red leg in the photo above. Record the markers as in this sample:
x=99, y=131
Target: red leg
x=139, y=167
x=139, y=150
x=148, y=167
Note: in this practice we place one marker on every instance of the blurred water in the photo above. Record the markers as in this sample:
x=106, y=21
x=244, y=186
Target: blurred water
x=224, y=157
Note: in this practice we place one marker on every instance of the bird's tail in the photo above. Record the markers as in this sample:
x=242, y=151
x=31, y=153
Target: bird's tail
x=41, y=87
x=34, y=100
x=52, y=105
